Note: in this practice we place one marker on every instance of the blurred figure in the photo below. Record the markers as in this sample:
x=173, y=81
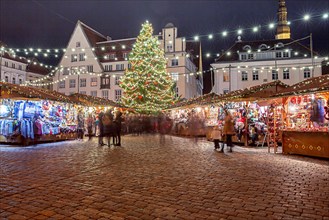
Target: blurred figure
x=81, y=125
x=118, y=123
x=216, y=135
x=228, y=129
x=90, y=124
x=101, y=129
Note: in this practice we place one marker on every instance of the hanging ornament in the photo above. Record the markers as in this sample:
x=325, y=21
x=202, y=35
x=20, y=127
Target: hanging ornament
x=140, y=97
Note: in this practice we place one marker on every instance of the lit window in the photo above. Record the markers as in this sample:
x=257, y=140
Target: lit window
x=174, y=76
x=105, y=94
x=226, y=77
x=82, y=57
x=117, y=80
x=93, y=81
x=74, y=58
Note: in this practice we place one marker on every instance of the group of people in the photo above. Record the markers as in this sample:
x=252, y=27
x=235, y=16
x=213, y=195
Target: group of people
x=109, y=126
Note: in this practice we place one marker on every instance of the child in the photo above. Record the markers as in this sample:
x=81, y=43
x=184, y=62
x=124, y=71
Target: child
x=216, y=136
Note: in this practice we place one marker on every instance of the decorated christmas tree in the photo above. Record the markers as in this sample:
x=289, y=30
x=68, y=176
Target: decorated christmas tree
x=147, y=87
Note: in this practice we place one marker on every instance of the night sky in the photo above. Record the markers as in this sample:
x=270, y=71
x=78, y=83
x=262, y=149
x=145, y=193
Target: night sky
x=50, y=23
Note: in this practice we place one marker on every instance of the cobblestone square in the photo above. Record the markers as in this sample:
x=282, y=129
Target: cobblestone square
x=153, y=178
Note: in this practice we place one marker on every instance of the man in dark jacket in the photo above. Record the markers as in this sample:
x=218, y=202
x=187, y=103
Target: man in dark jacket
x=118, y=123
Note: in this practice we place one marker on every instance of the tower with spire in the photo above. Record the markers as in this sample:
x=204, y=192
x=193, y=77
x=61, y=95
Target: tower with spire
x=283, y=29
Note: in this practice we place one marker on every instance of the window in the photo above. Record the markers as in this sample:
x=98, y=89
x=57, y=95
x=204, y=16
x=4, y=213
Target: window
x=6, y=79
x=20, y=67
x=250, y=56
x=74, y=70
x=66, y=71
x=275, y=75
x=105, y=82
x=83, y=82
x=83, y=92
x=112, y=56
x=244, y=76
x=77, y=44
x=174, y=62
x=255, y=75
x=285, y=54
x=62, y=84
x=82, y=57
x=117, y=80
x=90, y=68
x=247, y=47
x=125, y=55
x=278, y=54
x=72, y=83
x=14, y=80
x=93, y=93
x=93, y=81
x=226, y=77
x=118, y=95
x=286, y=74
x=129, y=65
x=108, y=68
x=174, y=76
x=13, y=65
x=20, y=81
x=307, y=73
x=225, y=91
x=105, y=94
x=120, y=67
x=74, y=58
x=176, y=92
x=169, y=48
x=243, y=56
x=6, y=63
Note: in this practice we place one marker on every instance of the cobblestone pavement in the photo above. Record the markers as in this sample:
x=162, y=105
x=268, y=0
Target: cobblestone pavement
x=149, y=179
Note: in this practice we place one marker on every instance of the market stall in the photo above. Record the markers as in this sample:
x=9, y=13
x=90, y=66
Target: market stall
x=306, y=125
x=29, y=115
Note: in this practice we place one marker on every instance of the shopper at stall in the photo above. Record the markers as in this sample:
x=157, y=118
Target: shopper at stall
x=228, y=130
x=216, y=136
x=90, y=124
x=253, y=134
x=81, y=125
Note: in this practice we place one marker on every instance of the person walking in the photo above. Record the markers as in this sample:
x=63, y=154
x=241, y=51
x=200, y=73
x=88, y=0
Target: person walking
x=81, y=125
x=90, y=124
x=228, y=130
x=101, y=129
x=118, y=123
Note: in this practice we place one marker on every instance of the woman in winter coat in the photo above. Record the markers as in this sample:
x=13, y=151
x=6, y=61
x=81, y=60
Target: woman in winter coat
x=228, y=129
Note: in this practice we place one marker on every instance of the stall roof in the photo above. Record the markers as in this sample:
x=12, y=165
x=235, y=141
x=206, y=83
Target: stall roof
x=200, y=100
x=15, y=91
x=94, y=101
x=312, y=85
x=256, y=92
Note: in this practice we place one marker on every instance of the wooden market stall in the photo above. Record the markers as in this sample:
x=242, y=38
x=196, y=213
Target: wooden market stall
x=245, y=108
x=33, y=115
x=192, y=117
x=306, y=124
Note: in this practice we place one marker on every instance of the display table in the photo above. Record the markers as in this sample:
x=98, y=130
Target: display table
x=309, y=143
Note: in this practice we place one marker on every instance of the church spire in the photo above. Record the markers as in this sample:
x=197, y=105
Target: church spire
x=283, y=29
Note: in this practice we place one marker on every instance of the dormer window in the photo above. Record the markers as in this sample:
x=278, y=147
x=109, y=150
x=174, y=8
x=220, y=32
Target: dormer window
x=246, y=48
x=279, y=45
x=77, y=44
x=263, y=47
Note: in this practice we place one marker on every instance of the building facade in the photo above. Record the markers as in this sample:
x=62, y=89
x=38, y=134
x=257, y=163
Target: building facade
x=93, y=63
x=250, y=63
x=20, y=70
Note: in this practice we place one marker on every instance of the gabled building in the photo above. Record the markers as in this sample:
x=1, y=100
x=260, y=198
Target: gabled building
x=250, y=63
x=94, y=63
x=21, y=70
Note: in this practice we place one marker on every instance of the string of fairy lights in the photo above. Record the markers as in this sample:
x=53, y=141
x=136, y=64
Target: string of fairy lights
x=55, y=52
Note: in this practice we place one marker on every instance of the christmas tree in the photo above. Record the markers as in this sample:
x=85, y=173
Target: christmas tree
x=147, y=87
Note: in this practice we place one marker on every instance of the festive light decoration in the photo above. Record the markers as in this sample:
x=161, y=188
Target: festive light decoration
x=147, y=87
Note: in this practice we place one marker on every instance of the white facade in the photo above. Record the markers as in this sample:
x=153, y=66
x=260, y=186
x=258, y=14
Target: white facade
x=93, y=64
x=12, y=71
x=230, y=76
